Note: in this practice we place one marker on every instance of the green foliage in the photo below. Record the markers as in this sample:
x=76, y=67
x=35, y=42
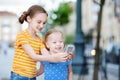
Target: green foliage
x=69, y=39
x=62, y=14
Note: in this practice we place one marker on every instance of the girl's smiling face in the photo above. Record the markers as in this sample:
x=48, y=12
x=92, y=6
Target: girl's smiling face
x=37, y=22
x=55, y=42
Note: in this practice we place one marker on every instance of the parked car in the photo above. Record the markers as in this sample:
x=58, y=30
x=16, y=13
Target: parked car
x=109, y=61
x=112, y=54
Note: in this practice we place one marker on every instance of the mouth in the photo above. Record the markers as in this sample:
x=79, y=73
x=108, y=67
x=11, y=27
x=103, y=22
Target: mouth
x=39, y=29
x=59, y=48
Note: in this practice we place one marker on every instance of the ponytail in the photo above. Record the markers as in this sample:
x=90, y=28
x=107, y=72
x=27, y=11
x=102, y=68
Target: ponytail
x=23, y=17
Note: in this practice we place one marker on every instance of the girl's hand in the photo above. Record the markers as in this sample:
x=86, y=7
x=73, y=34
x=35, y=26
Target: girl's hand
x=40, y=70
x=59, y=57
x=70, y=56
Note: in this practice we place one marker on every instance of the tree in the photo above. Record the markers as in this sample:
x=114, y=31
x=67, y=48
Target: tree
x=96, y=59
x=61, y=15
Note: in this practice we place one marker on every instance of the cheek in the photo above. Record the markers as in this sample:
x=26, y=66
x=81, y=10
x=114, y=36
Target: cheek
x=48, y=45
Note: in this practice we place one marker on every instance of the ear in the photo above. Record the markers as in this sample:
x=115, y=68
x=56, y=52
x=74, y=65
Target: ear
x=47, y=45
x=28, y=19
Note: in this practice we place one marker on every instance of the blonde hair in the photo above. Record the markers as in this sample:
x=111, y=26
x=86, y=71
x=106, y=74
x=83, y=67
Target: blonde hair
x=31, y=12
x=50, y=31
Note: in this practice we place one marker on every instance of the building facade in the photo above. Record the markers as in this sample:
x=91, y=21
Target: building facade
x=9, y=26
x=110, y=28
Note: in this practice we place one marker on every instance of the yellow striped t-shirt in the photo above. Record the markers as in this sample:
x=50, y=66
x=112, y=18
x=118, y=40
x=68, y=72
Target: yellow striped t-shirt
x=23, y=64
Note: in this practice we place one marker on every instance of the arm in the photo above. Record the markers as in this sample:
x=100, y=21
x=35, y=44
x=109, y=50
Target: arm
x=44, y=51
x=51, y=58
x=70, y=73
x=40, y=70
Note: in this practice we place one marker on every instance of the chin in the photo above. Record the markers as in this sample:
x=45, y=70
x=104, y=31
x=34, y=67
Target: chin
x=58, y=51
x=38, y=30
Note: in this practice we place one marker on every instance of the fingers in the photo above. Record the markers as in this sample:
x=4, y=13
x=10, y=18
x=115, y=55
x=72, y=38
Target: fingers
x=37, y=73
x=67, y=58
x=63, y=57
x=70, y=56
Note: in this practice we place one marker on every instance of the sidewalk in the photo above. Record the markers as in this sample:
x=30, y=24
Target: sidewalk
x=6, y=62
x=89, y=76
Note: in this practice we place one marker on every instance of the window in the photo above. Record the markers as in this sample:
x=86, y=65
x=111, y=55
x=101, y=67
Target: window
x=6, y=23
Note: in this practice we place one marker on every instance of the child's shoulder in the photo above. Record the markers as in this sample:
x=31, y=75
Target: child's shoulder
x=22, y=32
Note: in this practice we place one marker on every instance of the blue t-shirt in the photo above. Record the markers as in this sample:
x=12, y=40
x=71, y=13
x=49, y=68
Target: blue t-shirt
x=56, y=71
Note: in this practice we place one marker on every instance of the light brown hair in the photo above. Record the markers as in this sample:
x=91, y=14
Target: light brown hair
x=31, y=12
x=50, y=31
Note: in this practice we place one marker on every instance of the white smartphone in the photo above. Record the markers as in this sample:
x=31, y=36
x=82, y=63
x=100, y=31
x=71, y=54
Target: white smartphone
x=70, y=48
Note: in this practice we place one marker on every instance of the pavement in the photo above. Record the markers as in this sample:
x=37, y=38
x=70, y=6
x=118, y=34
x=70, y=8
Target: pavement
x=6, y=62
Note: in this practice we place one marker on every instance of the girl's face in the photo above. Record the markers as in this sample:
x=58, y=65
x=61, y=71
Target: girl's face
x=37, y=22
x=55, y=42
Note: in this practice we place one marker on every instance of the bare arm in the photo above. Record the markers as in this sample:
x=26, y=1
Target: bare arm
x=70, y=73
x=44, y=51
x=51, y=58
x=40, y=70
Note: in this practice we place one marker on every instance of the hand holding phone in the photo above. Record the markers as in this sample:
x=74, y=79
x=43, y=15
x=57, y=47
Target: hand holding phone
x=70, y=48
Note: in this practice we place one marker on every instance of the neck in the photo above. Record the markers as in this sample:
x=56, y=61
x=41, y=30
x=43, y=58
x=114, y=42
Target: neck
x=32, y=33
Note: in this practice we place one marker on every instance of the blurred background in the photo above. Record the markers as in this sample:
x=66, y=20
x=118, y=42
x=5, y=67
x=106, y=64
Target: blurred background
x=92, y=26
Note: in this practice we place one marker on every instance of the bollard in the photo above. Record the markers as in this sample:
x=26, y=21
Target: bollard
x=104, y=65
x=105, y=74
x=119, y=66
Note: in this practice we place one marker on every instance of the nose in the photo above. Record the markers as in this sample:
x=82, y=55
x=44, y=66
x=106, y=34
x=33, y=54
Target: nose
x=41, y=25
x=58, y=43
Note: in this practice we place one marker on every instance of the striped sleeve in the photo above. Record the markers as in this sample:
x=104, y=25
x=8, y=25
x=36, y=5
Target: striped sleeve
x=42, y=45
x=21, y=39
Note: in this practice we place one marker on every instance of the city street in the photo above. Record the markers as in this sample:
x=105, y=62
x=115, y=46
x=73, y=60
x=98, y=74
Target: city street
x=6, y=62
x=92, y=26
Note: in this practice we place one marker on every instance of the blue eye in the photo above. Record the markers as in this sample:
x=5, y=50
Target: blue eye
x=61, y=41
x=54, y=42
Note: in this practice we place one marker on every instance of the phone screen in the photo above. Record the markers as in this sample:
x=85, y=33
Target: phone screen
x=70, y=48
